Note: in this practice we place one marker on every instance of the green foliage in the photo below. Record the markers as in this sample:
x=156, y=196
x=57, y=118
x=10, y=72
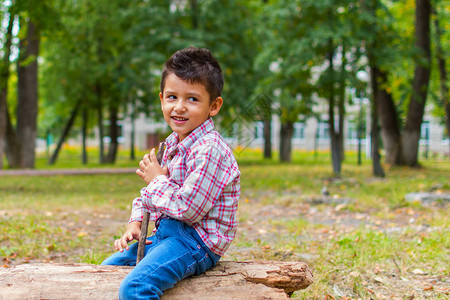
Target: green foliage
x=110, y=53
x=102, y=52
x=119, y=48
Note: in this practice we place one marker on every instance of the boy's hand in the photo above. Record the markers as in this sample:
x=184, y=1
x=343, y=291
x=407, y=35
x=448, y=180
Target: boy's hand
x=150, y=168
x=132, y=233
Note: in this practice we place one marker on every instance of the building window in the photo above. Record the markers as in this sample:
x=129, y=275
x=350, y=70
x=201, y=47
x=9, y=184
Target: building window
x=259, y=130
x=324, y=130
x=352, y=130
x=425, y=133
x=299, y=131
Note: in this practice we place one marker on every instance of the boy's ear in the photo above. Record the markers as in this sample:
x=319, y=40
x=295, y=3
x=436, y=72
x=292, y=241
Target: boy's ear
x=215, y=106
x=161, y=98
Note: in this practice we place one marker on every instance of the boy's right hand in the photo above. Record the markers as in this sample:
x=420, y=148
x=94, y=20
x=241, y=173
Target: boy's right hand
x=132, y=233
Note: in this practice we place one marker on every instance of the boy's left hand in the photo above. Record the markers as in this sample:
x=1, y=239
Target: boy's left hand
x=150, y=168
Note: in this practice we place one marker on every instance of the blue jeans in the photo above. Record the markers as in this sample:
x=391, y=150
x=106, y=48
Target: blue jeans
x=176, y=252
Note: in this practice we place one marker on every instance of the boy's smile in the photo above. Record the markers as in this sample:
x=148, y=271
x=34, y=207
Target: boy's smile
x=186, y=105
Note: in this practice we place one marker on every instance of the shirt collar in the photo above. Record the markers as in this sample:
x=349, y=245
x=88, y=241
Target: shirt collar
x=200, y=131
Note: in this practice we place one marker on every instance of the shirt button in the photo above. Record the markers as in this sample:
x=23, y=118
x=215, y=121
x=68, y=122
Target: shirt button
x=198, y=247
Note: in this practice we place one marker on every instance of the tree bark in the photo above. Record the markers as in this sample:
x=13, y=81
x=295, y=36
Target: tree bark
x=12, y=144
x=4, y=76
x=416, y=109
x=133, y=131
x=335, y=136
x=228, y=280
x=341, y=104
x=286, y=132
x=84, y=156
x=101, y=149
x=267, y=133
x=28, y=95
x=64, y=134
x=390, y=124
x=377, y=169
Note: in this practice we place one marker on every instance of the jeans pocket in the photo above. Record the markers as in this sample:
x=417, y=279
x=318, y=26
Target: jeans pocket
x=204, y=262
x=190, y=270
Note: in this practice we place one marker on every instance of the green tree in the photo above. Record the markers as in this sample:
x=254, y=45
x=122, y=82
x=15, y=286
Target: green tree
x=7, y=14
x=401, y=118
x=440, y=36
x=110, y=50
x=285, y=62
x=307, y=47
x=34, y=20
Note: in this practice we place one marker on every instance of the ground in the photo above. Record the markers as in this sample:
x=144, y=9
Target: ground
x=332, y=220
x=356, y=250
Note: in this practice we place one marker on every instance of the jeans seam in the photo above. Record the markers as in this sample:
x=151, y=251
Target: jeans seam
x=188, y=237
x=167, y=262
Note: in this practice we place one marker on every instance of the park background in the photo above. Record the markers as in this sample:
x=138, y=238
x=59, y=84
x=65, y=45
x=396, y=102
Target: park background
x=81, y=78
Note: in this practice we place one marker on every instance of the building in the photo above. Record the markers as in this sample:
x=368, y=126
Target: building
x=313, y=134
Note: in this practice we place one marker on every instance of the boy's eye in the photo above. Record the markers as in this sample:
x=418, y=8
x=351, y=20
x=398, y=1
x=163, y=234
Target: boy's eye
x=193, y=99
x=172, y=97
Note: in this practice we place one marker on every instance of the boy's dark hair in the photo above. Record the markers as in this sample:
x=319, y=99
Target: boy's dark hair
x=195, y=65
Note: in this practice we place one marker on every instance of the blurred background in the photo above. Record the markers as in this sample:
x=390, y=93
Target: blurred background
x=366, y=76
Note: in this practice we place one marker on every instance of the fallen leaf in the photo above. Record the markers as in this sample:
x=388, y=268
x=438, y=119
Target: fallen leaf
x=428, y=288
x=378, y=279
x=377, y=270
x=418, y=272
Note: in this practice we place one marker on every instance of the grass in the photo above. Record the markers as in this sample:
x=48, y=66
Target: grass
x=364, y=242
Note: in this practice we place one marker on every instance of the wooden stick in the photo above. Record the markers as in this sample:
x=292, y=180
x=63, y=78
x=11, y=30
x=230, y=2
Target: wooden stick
x=145, y=220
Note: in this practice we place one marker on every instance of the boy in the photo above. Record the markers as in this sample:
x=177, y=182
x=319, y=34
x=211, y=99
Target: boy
x=193, y=196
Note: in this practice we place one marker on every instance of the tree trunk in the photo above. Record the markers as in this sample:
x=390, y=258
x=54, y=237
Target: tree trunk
x=12, y=144
x=377, y=169
x=27, y=107
x=267, y=133
x=341, y=104
x=335, y=146
x=390, y=124
x=84, y=156
x=4, y=76
x=101, y=149
x=286, y=132
x=64, y=134
x=113, y=134
x=133, y=131
x=442, y=72
x=228, y=280
x=411, y=132
x=335, y=153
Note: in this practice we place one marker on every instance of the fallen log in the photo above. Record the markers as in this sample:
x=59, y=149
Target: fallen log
x=228, y=280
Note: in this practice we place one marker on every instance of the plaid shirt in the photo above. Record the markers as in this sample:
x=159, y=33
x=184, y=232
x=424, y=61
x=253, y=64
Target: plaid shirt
x=202, y=188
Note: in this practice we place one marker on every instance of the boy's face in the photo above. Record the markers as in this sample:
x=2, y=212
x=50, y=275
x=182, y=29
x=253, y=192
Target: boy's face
x=186, y=106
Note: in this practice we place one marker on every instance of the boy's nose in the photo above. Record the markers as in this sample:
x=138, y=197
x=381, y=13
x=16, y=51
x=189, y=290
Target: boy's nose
x=180, y=106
